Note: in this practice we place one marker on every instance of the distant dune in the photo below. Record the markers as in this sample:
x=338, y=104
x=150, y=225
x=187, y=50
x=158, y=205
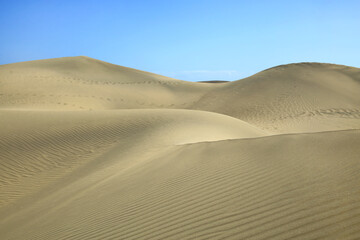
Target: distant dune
x=92, y=150
x=213, y=81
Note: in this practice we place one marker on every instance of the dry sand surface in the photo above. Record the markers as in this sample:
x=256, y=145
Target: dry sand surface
x=92, y=150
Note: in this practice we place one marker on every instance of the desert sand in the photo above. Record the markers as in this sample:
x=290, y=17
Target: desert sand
x=93, y=150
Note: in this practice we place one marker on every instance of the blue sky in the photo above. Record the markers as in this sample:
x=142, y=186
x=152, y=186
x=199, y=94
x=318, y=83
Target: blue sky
x=190, y=40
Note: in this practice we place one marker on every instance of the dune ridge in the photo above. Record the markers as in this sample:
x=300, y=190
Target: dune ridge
x=93, y=150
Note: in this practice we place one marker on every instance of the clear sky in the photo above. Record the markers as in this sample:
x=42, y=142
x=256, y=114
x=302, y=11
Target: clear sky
x=186, y=39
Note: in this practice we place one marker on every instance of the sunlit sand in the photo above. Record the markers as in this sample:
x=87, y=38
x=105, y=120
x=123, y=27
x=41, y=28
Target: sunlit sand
x=92, y=150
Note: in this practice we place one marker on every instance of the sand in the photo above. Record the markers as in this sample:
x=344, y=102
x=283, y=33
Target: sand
x=92, y=150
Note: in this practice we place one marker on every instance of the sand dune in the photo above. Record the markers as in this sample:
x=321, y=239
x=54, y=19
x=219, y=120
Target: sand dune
x=292, y=98
x=38, y=152
x=305, y=97
x=83, y=83
x=92, y=150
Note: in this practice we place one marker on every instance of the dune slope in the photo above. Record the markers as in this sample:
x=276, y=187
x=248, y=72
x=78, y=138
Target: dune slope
x=302, y=186
x=301, y=97
x=35, y=153
x=304, y=97
x=92, y=150
x=82, y=83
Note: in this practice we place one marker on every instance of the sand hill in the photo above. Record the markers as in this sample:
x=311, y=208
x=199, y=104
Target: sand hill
x=92, y=150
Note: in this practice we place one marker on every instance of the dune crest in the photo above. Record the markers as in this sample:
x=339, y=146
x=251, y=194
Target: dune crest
x=93, y=150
